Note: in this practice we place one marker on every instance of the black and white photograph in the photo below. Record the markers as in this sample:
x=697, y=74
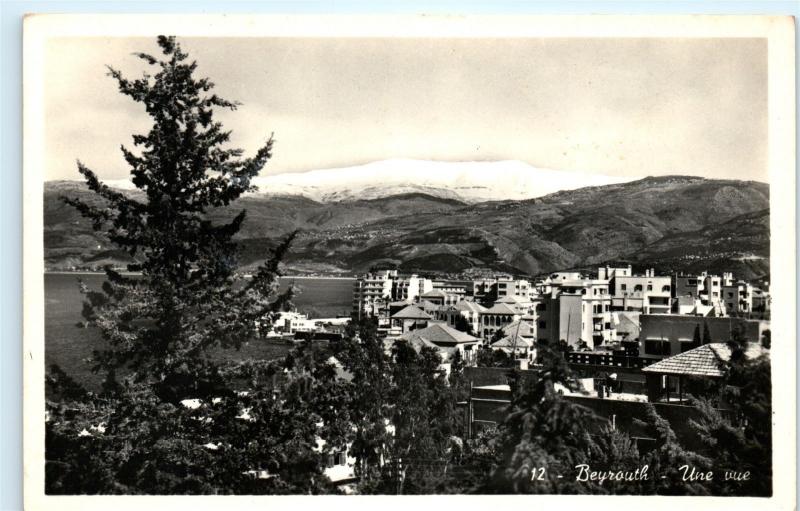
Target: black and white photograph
x=410, y=257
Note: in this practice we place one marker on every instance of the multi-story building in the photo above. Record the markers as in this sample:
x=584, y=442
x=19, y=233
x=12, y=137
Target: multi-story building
x=440, y=297
x=372, y=292
x=458, y=288
x=495, y=318
x=609, y=272
x=646, y=293
x=507, y=286
x=576, y=311
x=707, y=288
x=738, y=298
x=470, y=311
x=585, y=313
x=409, y=288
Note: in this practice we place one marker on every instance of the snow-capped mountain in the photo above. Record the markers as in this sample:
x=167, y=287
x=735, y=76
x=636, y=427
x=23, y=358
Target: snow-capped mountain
x=466, y=181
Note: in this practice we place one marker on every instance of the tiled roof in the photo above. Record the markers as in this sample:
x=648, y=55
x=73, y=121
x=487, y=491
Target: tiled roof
x=411, y=312
x=434, y=293
x=466, y=306
x=419, y=342
x=508, y=342
x=522, y=328
x=428, y=306
x=500, y=308
x=706, y=360
x=439, y=333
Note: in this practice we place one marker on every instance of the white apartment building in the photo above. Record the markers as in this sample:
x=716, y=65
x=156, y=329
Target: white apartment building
x=371, y=292
x=575, y=311
x=738, y=298
x=507, y=286
x=646, y=293
x=409, y=288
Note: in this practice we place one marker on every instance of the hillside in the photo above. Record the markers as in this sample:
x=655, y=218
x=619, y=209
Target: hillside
x=678, y=222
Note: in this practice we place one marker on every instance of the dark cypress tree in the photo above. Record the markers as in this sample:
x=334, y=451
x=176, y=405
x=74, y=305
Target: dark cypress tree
x=706, y=334
x=161, y=327
x=463, y=325
x=186, y=300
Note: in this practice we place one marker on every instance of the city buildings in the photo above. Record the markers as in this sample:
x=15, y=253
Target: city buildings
x=409, y=288
x=371, y=292
x=497, y=317
x=446, y=340
x=469, y=311
x=615, y=307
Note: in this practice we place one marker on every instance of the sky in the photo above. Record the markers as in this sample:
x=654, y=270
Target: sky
x=613, y=106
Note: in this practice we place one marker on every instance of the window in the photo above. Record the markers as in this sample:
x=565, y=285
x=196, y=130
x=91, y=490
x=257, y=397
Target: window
x=665, y=289
x=623, y=287
x=637, y=287
x=542, y=324
x=608, y=326
x=730, y=295
x=649, y=287
x=657, y=347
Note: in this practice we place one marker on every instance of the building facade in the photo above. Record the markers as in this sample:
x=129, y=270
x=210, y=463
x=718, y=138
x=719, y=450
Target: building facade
x=372, y=292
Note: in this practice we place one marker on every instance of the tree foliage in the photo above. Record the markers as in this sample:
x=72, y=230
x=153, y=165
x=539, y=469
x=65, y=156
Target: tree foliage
x=172, y=417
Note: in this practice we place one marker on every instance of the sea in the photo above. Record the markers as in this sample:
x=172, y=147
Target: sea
x=68, y=345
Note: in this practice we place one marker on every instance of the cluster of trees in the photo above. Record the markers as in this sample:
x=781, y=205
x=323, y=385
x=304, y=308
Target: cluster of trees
x=172, y=418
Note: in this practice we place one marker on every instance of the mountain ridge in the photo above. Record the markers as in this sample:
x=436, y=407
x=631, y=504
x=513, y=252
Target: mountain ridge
x=638, y=220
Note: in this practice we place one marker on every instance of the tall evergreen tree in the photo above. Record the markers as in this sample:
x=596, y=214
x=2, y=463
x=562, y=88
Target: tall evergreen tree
x=172, y=417
x=543, y=435
x=706, y=333
x=739, y=438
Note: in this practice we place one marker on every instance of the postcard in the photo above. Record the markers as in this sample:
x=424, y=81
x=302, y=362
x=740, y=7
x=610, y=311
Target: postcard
x=482, y=260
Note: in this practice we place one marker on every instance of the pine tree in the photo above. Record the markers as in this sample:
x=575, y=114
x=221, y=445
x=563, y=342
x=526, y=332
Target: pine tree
x=543, y=435
x=463, y=325
x=242, y=420
x=426, y=434
x=363, y=355
x=666, y=457
x=738, y=437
